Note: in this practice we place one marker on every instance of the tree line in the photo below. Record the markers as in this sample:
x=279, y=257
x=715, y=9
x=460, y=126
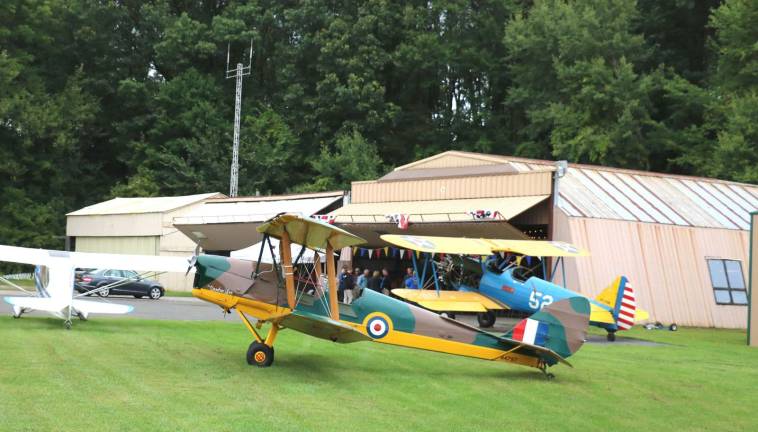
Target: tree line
x=129, y=98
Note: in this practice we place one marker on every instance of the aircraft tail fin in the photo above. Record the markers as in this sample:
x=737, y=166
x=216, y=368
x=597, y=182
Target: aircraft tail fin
x=620, y=296
x=560, y=327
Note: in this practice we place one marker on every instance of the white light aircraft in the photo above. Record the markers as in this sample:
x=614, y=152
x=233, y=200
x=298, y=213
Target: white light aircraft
x=54, y=279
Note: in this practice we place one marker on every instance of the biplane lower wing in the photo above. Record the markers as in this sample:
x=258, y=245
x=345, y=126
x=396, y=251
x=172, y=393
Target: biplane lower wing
x=449, y=301
x=322, y=327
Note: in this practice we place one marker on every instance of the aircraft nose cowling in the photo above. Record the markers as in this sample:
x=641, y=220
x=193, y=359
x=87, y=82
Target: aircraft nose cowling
x=238, y=277
x=209, y=268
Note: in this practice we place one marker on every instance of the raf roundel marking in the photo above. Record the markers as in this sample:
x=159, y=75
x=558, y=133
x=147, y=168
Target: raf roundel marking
x=377, y=327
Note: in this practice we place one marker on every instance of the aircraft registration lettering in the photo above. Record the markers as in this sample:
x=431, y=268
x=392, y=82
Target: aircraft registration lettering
x=565, y=246
x=420, y=242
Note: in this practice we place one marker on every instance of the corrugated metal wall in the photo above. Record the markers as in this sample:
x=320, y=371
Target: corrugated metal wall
x=509, y=185
x=132, y=225
x=666, y=264
x=142, y=245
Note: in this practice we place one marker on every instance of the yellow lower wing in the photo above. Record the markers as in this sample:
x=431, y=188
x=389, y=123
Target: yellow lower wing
x=453, y=301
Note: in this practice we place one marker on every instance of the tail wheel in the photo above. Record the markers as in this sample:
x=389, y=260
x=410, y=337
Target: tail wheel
x=486, y=319
x=611, y=336
x=673, y=327
x=260, y=355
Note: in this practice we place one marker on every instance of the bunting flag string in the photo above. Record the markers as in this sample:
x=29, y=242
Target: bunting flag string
x=324, y=218
x=484, y=214
x=402, y=220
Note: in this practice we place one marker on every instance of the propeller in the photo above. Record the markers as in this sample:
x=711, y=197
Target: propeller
x=192, y=260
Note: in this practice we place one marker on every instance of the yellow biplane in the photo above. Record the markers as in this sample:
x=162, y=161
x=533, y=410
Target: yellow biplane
x=289, y=294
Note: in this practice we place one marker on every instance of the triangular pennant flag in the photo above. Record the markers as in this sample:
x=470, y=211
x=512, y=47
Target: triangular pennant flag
x=378, y=252
x=418, y=254
x=528, y=260
x=502, y=254
x=370, y=253
x=518, y=260
x=354, y=249
x=386, y=251
x=402, y=253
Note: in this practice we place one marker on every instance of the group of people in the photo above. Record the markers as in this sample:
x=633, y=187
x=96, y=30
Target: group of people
x=352, y=283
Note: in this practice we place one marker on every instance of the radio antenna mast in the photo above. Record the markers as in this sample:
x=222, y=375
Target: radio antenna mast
x=238, y=73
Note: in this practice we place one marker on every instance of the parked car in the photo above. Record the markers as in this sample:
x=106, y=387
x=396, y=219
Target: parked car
x=125, y=282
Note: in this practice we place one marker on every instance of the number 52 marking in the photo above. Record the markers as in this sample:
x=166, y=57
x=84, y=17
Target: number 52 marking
x=537, y=300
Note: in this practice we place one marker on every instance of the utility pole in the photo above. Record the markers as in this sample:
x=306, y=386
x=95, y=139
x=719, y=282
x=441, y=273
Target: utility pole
x=237, y=73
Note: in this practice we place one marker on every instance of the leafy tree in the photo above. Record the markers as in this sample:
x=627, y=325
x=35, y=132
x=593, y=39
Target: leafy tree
x=353, y=159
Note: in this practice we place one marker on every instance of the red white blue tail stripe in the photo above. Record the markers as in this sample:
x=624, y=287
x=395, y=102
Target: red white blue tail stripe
x=627, y=308
x=531, y=331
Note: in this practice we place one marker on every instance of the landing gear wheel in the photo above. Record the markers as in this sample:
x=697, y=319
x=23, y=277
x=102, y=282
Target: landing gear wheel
x=155, y=293
x=67, y=324
x=673, y=327
x=549, y=376
x=448, y=315
x=260, y=354
x=611, y=336
x=486, y=319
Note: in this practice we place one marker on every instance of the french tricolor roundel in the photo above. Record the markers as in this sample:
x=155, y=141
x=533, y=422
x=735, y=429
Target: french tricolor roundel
x=377, y=327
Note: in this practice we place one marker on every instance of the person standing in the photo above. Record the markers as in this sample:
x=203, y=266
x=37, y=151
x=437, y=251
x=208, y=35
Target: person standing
x=363, y=278
x=410, y=279
x=385, y=285
x=345, y=289
x=375, y=281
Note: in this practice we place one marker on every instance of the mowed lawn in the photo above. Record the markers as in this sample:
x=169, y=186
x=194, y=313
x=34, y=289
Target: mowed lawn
x=127, y=374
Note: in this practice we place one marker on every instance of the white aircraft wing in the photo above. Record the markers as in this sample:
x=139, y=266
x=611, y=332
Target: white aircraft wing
x=131, y=262
x=38, y=303
x=24, y=255
x=95, y=260
x=89, y=307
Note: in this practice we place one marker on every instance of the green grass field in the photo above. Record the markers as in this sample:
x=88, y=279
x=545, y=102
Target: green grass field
x=127, y=374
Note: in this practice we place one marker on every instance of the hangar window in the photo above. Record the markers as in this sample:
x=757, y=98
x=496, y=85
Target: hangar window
x=727, y=281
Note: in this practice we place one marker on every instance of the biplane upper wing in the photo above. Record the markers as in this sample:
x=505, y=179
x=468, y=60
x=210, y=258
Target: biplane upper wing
x=539, y=248
x=308, y=232
x=448, y=245
x=451, y=301
x=471, y=246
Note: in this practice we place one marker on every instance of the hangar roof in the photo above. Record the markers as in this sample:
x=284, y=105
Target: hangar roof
x=229, y=223
x=142, y=205
x=612, y=193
